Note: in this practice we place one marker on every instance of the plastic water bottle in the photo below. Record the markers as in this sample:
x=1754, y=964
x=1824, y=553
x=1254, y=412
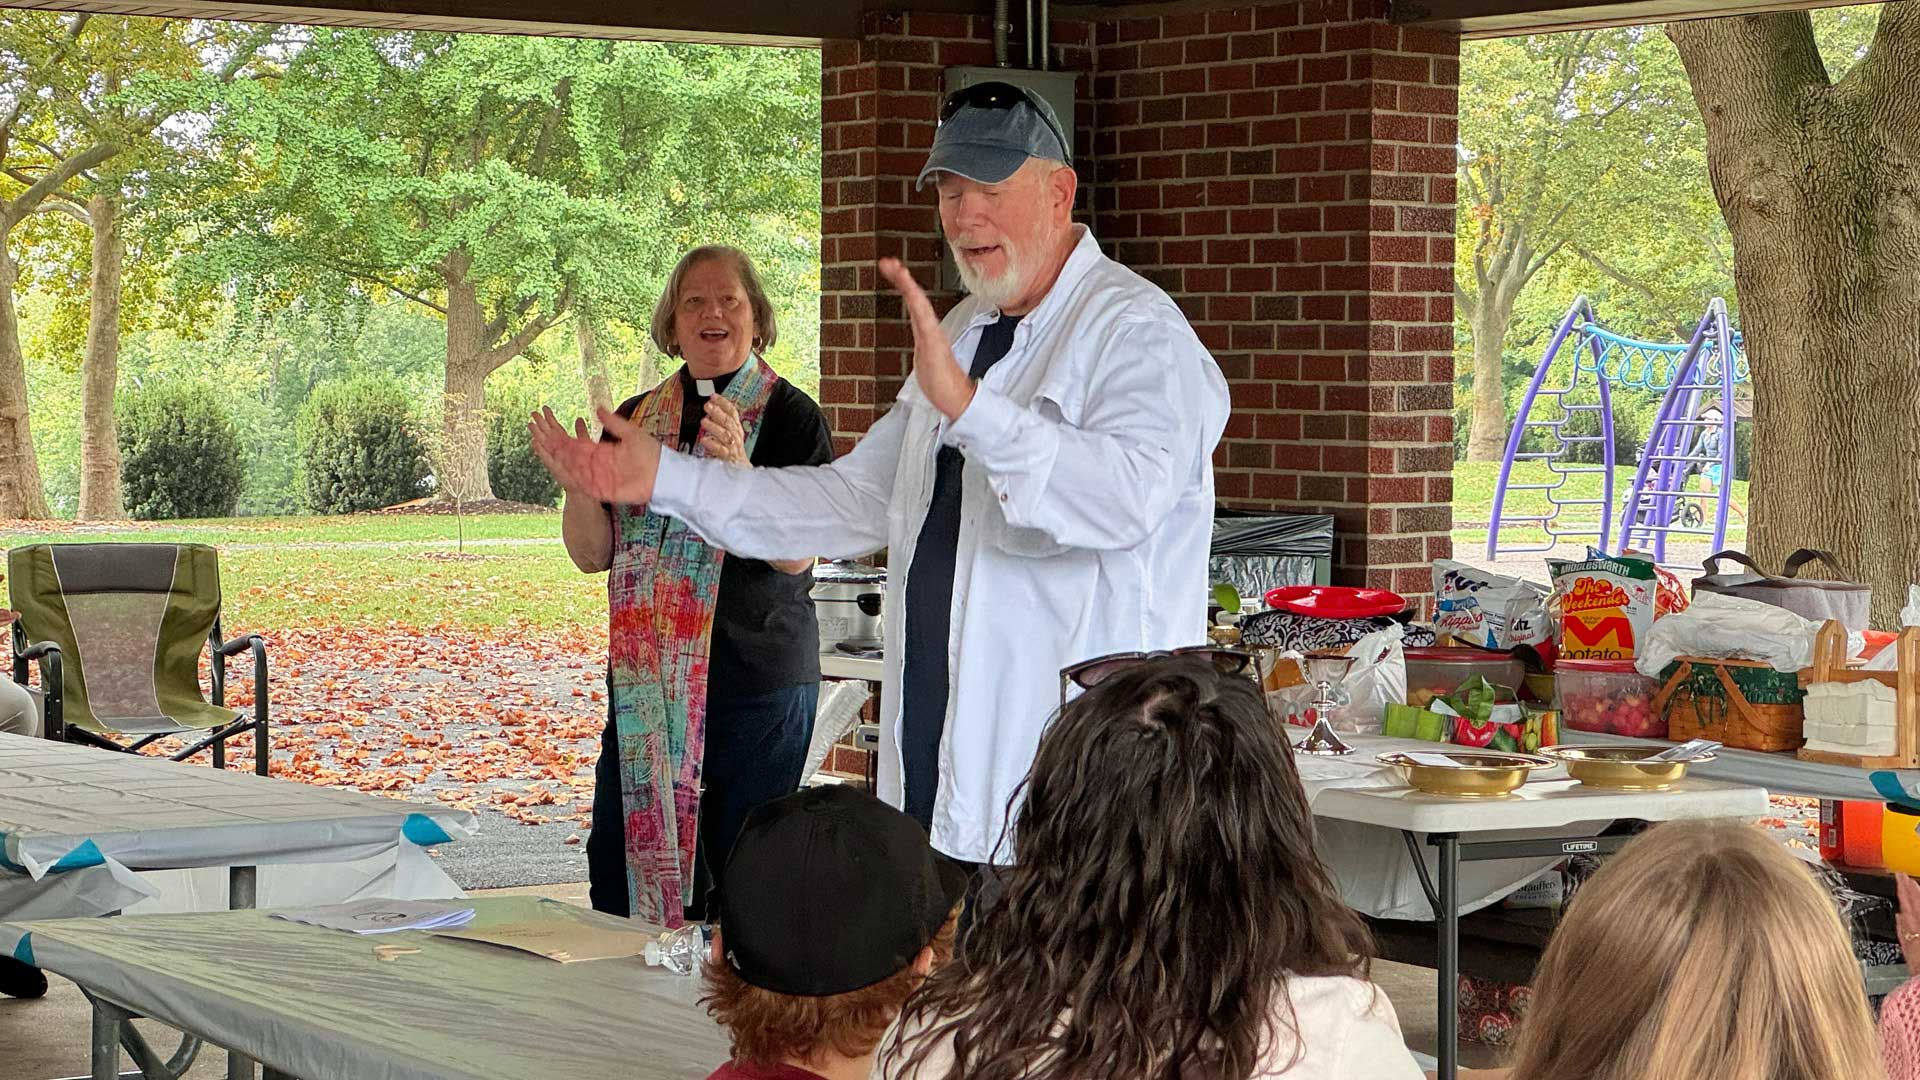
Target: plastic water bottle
x=680, y=951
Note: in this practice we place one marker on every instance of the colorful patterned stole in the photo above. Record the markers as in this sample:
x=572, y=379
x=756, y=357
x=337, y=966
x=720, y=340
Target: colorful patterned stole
x=661, y=595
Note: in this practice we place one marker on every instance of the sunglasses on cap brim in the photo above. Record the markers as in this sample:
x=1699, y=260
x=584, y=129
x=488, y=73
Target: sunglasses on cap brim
x=1000, y=95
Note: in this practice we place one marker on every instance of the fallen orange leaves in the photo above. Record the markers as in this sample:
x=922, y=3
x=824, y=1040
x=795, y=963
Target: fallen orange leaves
x=468, y=717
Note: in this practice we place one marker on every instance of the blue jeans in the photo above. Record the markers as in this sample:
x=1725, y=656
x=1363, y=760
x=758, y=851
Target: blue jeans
x=756, y=747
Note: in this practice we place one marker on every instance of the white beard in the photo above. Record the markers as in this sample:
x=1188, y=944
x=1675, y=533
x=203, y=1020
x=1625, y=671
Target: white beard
x=1002, y=288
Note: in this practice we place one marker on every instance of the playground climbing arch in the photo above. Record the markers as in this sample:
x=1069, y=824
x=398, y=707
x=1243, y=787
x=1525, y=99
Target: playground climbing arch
x=1692, y=434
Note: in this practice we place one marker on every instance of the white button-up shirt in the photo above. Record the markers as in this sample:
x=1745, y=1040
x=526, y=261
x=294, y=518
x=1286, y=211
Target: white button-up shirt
x=1086, y=513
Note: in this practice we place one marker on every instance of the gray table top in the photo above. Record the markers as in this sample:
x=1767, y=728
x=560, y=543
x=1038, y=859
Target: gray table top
x=316, y=1003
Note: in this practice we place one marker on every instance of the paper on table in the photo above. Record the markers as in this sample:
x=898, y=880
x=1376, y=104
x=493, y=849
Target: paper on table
x=377, y=916
x=565, y=939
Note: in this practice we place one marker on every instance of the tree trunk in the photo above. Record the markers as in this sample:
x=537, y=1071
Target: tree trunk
x=1815, y=182
x=462, y=467
x=593, y=368
x=21, y=495
x=100, y=492
x=1490, y=316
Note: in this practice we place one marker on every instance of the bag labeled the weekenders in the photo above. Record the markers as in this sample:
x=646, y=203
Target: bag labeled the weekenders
x=1606, y=606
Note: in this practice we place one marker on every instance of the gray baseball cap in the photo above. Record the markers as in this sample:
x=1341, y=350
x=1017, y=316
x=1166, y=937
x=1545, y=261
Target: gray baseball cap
x=990, y=129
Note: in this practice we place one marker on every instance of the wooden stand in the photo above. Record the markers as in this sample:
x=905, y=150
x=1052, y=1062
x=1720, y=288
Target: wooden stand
x=1830, y=666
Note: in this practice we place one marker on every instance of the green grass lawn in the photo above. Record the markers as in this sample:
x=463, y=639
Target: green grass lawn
x=376, y=569
x=1473, y=487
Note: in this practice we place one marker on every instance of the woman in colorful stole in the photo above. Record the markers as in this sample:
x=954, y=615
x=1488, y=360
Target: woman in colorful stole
x=713, y=666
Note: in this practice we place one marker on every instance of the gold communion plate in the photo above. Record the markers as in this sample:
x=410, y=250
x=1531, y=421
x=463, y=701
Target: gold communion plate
x=1474, y=774
x=1620, y=767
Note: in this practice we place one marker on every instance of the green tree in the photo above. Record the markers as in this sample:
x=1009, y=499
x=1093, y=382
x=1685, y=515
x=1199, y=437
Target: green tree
x=1574, y=146
x=83, y=100
x=502, y=183
x=1813, y=140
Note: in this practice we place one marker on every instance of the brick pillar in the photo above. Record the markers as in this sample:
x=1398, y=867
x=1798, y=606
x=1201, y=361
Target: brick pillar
x=1286, y=172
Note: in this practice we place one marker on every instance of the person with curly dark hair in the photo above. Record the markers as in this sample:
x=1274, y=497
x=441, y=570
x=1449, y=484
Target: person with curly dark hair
x=1165, y=916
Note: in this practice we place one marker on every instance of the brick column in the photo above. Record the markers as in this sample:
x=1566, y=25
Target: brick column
x=1285, y=171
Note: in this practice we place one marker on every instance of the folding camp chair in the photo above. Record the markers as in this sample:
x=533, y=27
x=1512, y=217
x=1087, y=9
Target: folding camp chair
x=117, y=631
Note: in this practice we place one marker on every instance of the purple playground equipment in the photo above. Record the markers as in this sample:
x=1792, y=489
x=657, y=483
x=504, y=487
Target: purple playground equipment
x=1692, y=433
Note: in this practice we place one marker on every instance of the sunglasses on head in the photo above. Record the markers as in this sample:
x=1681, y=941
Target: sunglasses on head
x=1000, y=95
x=1088, y=674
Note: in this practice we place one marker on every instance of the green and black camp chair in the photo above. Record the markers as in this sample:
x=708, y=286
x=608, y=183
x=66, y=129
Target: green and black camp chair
x=117, y=630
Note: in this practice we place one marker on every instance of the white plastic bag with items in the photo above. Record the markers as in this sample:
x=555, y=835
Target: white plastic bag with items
x=1377, y=679
x=1733, y=627
x=1888, y=659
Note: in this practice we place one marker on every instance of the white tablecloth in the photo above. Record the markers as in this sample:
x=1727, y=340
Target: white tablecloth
x=1361, y=808
x=86, y=832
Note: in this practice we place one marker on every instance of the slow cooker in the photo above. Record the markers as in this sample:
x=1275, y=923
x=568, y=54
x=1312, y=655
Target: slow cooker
x=847, y=597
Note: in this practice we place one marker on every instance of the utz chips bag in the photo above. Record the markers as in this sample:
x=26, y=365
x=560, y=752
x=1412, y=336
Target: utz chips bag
x=1606, y=606
x=1487, y=610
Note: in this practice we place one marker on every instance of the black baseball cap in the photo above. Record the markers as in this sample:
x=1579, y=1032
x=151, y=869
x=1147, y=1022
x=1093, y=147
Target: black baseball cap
x=990, y=129
x=829, y=890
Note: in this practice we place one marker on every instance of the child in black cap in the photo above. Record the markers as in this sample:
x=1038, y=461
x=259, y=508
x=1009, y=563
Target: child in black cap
x=833, y=909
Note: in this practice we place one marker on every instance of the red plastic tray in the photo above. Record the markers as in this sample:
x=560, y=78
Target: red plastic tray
x=1336, y=601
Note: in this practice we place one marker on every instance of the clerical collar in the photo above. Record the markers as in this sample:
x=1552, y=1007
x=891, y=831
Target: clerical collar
x=705, y=388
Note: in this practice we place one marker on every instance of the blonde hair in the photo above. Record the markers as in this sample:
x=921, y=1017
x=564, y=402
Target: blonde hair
x=1702, y=950
x=766, y=329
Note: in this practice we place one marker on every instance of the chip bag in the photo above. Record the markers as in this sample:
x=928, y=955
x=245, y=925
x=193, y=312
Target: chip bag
x=1488, y=610
x=1606, y=606
x=1669, y=596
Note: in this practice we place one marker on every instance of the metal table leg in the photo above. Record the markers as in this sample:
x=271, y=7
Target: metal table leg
x=242, y=890
x=109, y=1020
x=1449, y=927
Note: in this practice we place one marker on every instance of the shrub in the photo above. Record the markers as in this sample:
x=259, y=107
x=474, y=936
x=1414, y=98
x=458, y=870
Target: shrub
x=512, y=468
x=361, y=447
x=180, y=454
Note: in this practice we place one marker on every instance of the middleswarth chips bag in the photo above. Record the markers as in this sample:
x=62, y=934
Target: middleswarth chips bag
x=1606, y=606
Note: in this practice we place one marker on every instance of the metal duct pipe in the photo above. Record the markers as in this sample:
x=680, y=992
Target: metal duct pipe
x=1000, y=25
x=1029, y=37
x=1046, y=34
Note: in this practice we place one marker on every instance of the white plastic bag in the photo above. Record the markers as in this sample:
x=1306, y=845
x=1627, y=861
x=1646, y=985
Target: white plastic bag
x=1733, y=627
x=1378, y=678
x=1888, y=659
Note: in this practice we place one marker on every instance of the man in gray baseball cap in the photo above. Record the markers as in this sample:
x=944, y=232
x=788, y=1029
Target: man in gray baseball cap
x=1043, y=485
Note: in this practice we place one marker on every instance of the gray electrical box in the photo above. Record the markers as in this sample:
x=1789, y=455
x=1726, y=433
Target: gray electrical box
x=1057, y=87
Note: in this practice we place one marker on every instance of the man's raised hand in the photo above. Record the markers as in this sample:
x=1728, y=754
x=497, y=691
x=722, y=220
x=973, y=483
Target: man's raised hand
x=940, y=375
x=611, y=471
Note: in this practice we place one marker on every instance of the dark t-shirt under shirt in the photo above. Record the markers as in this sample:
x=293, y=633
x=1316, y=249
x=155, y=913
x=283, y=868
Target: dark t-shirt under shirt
x=929, y=606
x=765, y=635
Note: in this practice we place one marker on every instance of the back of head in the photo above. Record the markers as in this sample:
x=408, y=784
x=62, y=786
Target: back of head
x=1701, y=950
x=1164, y=885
